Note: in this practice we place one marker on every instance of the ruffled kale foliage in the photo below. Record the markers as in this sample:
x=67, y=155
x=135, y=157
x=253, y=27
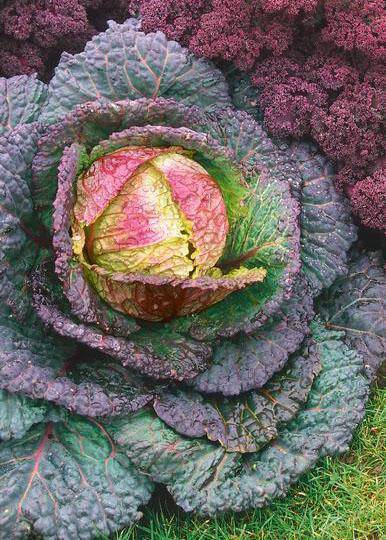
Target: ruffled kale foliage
x=319, y=65
x=178, y=299
x=34, y=33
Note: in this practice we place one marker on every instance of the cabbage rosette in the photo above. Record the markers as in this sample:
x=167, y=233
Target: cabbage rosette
x=179, y=302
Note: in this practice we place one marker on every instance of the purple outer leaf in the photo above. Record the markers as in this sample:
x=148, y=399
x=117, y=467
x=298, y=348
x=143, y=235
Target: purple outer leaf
x=18, y=249
x=153, y=354
x=41, y=367
x=327, y=229
x=249, y=422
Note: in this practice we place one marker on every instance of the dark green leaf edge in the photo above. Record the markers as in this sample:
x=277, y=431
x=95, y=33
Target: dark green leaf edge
x=327, y=228
x=18, y=413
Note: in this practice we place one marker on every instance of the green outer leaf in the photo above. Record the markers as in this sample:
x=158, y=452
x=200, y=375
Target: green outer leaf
x=18, y=413
x=203, y=478
x=68, y=480
x=356, y=304
x=123, y=63
x=21, y=99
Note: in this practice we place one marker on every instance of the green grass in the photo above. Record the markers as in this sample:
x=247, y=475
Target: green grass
x=340, y=499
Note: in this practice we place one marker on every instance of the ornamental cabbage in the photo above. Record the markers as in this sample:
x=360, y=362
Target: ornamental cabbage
x=178, y=300
x=154, y=211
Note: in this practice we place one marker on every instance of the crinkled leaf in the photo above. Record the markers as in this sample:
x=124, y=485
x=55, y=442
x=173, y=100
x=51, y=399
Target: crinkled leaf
x=247, y=362
x=203, y=477
x=247, y=423
x=188, y=464
x=18, y=413
x=120, y=390
x=89, y=307
x=326, y=223
x=21, y=99
x=68, y=480
x=239, y=132
x=42, y=367
x=153, y=353
x=18, y=250
x=124, y=63
x=356, y=304
x=158, y=298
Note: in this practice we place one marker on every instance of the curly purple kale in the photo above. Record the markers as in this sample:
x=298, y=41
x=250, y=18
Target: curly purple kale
x=33, y=34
